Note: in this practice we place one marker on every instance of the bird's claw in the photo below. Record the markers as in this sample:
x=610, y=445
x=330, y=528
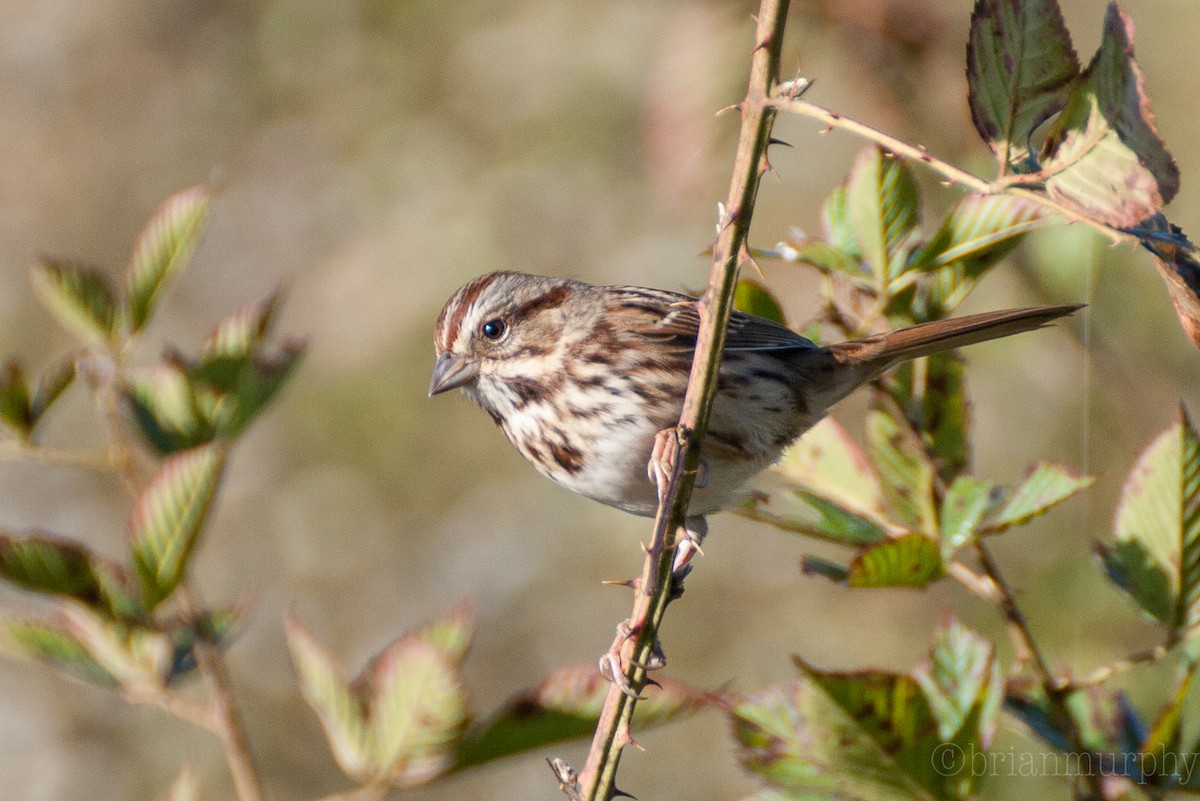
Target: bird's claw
x=614, y=666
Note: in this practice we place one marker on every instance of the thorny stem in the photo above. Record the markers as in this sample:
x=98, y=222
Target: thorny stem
x=598, y=779
x=1057, y=693
x=1006, y=185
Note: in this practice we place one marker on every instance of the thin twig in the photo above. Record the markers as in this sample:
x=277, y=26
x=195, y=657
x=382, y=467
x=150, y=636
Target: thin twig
x=598, y=779
x=227, y=723
x=1006, y=185
x=1106, y=672
x=19, y=451
x=173, y=703
x=1056, y=692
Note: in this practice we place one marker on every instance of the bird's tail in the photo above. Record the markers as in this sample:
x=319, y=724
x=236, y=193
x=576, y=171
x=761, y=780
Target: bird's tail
x=860, y=360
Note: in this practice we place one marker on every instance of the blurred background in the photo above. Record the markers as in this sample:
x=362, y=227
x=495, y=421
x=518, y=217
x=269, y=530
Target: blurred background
x=373, y=156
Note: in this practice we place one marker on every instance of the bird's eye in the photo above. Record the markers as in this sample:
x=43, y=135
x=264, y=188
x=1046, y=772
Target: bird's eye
x=493, y=329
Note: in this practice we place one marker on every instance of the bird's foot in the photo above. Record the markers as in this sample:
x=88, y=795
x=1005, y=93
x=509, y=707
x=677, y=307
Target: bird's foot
x=614, y=666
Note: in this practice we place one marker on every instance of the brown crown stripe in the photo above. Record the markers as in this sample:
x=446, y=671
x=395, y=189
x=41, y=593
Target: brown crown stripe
x=458, y=310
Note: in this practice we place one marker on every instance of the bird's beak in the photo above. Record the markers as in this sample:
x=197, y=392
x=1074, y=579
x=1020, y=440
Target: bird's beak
x=451, y=371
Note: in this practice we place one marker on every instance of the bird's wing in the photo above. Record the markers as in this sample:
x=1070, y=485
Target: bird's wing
x=673, y=318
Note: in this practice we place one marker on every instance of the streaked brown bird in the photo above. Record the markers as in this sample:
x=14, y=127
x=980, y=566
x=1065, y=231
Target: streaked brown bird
x=582, y=378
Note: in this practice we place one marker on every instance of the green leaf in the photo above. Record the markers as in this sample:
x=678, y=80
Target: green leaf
x=45, y=563
x=418, y=711
x=883, y=208
x=52, y=645
x=932, y=395
x=754, y=298
x=836, y=217
x=968, y=501
x=342, y=713
x=162, y=251
x=15, y=411
x=1020, y=69
x=907, y=473
x=80, y=298
x=452, y=632
x=54, y=381
x=979, y=231
x=963, y=683
x=816, y=566
x=824, y=256
x=1045, y=486
x=1131, y=567
x=1103, y=154
x=873, y=735
x=1160, y=512
x=826, y=472
x=913, y=560
x=166, y=410
x=169, y=516
x=564, y=707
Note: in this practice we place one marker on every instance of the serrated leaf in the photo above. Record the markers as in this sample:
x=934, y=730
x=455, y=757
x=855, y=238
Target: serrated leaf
x=828, y=463
x=1160, y=511
x=162, y=251
x=342, y=713
x=1020, y=68
x=913, y=560
x=754, y=298
x=132, y=654
x=418, y=710
x=15, y=411
x=883, y=209
x=907, y=473
x=52, y=645
x=169, y=517
x=979, y=231
x=565, y=706
x=968, y=501
x=80, y=298
x=1103, y=154
x=1045, y=486
x=962, y=681
x=828, y=474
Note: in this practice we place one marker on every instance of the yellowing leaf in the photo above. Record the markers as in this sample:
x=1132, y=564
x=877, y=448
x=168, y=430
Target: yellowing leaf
x=1103, y=154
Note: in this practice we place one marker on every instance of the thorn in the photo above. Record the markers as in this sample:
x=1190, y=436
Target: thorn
x=632, y=583
x=622, y=794
x=773, y=141
x=649, y=682
x=730, y=107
